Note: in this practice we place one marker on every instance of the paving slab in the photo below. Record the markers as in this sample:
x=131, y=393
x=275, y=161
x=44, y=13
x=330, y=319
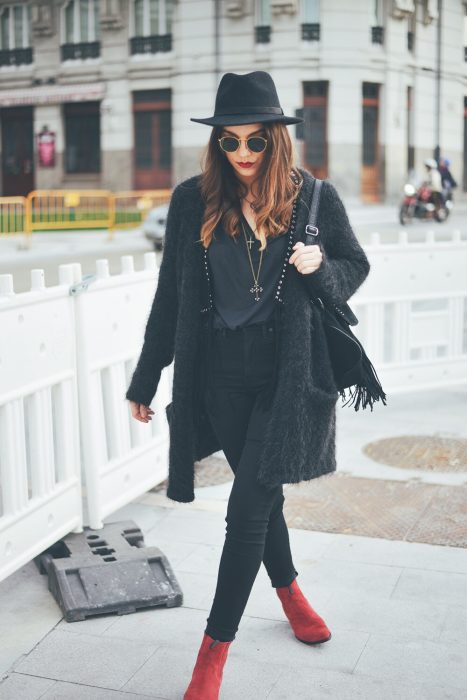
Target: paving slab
x=322, y=684
x=439, y=663
x=102, y=661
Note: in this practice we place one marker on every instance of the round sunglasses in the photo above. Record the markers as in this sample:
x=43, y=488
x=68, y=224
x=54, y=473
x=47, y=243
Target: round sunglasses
x=230, y=144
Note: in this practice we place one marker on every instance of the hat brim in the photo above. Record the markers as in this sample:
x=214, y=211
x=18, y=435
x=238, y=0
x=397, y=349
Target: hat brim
x=239, y=119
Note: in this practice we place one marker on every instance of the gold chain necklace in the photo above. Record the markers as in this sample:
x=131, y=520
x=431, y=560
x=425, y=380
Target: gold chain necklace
x=256, y=287
x=252, y=206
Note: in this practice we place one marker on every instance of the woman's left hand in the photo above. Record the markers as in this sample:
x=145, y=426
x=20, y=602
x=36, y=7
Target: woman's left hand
x=306, y=258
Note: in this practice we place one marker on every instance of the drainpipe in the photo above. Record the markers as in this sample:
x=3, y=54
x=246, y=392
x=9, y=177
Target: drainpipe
x=437, y=150
x=217, y=67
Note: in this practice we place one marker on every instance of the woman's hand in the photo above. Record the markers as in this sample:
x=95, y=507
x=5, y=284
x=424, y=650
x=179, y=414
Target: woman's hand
x=141, y=412
x=306, y=258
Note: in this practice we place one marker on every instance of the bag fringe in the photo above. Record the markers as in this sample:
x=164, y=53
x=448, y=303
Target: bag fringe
x=368, y=390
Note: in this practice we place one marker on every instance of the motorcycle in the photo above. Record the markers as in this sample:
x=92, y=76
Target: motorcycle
x=418, y=204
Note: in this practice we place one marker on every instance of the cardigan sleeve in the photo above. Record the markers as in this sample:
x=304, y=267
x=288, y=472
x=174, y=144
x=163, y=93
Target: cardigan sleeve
x=159, y=336
x=344, y=266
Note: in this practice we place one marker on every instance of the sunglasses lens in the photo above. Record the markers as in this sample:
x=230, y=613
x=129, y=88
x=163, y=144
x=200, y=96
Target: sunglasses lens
x=229, y=144
x=256, y=144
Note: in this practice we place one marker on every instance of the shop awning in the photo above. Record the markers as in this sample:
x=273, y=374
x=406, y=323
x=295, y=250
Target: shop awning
x=52, y=94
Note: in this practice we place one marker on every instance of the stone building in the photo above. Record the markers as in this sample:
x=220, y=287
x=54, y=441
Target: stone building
x=99, y=93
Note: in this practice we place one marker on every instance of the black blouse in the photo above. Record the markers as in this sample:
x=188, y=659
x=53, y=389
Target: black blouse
x=232, y=279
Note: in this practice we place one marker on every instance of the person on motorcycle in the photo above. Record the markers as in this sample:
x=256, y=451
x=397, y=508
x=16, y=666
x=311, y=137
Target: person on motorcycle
x=434, y=182
x=447, y=179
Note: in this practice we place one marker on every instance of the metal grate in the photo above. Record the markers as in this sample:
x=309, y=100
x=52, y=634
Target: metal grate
x=430, y=453
x=393, y=510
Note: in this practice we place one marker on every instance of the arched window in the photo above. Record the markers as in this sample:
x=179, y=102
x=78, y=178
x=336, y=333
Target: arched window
x=377, y=22
x=15, y=35
x=151, y=26
x=80, y=29
x=310, y=20
x=262, y=21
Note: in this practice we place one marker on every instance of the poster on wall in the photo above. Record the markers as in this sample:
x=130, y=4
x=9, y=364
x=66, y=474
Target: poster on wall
x=46, y=148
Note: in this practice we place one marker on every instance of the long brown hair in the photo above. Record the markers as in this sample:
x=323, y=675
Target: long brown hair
x=221, y=189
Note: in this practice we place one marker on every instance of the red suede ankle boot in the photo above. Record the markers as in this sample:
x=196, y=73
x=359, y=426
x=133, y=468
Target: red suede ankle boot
x=307, y=625
x=208, y=671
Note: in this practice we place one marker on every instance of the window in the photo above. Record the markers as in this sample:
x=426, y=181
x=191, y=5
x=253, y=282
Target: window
x=370, y=123
x=80, y=29
x=377, y=30
x=315, y=110
x=410, y=130
x=465, y=33
x=310, y=20
x=82, y=137
x=411, y=22
x=152, y=26
x=15, y=35
x=263, y=22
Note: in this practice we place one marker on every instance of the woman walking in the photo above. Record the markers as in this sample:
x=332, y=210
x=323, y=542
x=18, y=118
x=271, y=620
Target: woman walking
x=252, y=375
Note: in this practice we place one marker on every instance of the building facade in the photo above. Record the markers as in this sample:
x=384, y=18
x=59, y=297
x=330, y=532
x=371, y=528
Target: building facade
x=99, y=93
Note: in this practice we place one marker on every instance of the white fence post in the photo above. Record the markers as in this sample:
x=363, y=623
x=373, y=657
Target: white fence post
x=40, y=475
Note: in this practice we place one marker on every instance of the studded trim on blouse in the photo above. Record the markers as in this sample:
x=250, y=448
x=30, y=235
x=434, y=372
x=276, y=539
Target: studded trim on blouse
x=269, y=393
x=278, y=292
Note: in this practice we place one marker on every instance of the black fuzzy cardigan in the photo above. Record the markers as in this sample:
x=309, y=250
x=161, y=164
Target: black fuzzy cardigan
x=300, y=437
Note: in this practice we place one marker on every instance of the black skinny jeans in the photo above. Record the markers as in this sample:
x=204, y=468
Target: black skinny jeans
x=240, y=368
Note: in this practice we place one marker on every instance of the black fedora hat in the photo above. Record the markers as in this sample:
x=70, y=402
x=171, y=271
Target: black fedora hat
x=247, y=99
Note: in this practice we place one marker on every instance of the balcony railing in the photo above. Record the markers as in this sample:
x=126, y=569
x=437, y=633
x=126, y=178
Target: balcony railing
x=377, y=35
x=86, y=49
x=262, y=34
x=311, y=32
x=15, y=57
x=150, y=44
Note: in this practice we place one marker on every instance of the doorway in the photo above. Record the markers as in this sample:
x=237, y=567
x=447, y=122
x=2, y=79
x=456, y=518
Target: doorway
x=153, y=139
x=17, y=151
x=370, y=170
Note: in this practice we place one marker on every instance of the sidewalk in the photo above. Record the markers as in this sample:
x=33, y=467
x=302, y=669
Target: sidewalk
x=397, y=609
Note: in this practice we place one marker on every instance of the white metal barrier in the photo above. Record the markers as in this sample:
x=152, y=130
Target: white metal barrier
x=122, y=458
x=412, y=311
x=40, y=481
x=67, y=354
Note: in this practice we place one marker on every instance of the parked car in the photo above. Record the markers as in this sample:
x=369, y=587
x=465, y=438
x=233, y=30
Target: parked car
x=154, y=225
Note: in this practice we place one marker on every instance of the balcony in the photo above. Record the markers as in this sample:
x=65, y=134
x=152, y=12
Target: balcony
x=377, y=35
x=263, y=34
x=311, y=32
x=86, y=49
x=15, y=57
x=150, y=44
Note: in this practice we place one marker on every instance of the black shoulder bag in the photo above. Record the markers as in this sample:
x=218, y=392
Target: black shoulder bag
x=350, y=364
